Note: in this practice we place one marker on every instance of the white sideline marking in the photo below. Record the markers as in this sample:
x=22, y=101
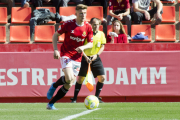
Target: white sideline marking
x=79, y=114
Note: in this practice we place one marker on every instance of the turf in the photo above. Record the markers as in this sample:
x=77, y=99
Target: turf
x=107, y=111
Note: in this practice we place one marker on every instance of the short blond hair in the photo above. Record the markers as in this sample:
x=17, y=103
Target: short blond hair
x=81, y=7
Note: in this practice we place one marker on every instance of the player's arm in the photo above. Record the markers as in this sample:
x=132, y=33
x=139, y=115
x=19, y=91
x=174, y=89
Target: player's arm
x=82, y=48
x=101, y=49
x=54, y=40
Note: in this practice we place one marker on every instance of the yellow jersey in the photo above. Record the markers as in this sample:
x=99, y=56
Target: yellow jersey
x=98, y=40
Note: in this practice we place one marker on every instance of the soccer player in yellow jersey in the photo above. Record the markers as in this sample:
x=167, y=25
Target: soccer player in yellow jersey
x=93, y=53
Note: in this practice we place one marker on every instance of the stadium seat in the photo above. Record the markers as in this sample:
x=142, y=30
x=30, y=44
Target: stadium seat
x=67, y=11
x=168, y=1
x=94, y=11
x=168, y=15
x=3, y=15
x=141, y=28
x=20, y=15
x=52, y=9
x=109, y=29
x=2, y=34
x=44, y=33
x=20, y=33
x=165, y=33
x=61, y=37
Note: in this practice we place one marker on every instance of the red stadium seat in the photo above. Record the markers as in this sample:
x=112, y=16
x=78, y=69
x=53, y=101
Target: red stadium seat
x=3, y=15
x=94, y=11
x=61, y=37
x=52, y=9
x=109, y=29
x=165, y=33
x=141, y=28
x=67, y=11
x=168, y=1
x=44, y=33
x=19, y=33
x=168, y=15
x=2, y=34
x=20, y=15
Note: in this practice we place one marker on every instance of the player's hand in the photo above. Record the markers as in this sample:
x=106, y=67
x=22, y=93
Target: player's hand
x=79, y=49
x=56, y=54
x=94, y=57
x=26, y=4
x=147, y=15
x=120, y=16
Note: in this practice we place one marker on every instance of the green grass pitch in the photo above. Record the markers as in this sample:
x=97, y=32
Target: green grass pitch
x=107, y=111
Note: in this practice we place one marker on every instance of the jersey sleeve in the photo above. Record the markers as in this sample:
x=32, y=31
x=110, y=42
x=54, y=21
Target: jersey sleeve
x=62, y=28
x=127, y=5
x=89, y=34
x=103, y=38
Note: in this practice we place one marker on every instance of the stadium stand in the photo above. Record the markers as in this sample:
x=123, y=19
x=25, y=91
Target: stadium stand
x=3, y=15
x=20, y=33
x=109, y=28
x=165, y=33
x=2, y=34
x=52, y=9
x=92, y=11
x=44, y=33
x=141, y=28
x=20, y=15
x=168, y=15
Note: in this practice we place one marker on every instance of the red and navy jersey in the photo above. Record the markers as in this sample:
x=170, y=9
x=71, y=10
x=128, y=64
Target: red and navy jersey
x=116, y=7
x=75, y=36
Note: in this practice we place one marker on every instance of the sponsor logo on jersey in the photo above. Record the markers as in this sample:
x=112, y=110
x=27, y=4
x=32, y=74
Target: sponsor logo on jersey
x=76, y=38
x=84, y=34
x=122, y=5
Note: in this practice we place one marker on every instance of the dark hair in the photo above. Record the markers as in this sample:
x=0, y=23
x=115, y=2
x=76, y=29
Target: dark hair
x=81, y=6
x=121, y=27
x=95, y=19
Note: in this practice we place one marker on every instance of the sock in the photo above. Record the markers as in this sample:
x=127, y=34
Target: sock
x=60, y=81
x=99, y=87
x=77, y=89
x=60, y=94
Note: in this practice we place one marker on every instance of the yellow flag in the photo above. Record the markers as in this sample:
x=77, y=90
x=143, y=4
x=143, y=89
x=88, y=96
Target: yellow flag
x=88, y=79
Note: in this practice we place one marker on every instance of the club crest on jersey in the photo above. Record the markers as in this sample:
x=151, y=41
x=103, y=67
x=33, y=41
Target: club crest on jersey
x=84, y=34
x=72, y=31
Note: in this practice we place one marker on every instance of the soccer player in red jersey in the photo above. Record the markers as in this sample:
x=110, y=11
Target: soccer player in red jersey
x=76, y=31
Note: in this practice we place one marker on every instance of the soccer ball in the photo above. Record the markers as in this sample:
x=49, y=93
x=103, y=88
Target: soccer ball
x=91, y=102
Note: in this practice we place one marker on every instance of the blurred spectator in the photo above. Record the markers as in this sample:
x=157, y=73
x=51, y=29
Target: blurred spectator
x=64, y=3
x=120, y=9
x=10, y=4
x=141, y=11
x=118, y=34
x=103, y=3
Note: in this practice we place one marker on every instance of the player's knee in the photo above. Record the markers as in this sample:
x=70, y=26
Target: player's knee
x=102, y=78
x=70, y=80
x=80, y=80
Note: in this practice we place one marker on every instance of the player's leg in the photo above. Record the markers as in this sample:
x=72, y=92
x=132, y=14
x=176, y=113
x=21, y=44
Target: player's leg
x=98, y=71
x=69, y=78
x=77, y=88
x=99, y=86
x=82, y=75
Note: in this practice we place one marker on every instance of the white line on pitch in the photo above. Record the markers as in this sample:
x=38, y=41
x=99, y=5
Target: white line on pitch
x=79, y=114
